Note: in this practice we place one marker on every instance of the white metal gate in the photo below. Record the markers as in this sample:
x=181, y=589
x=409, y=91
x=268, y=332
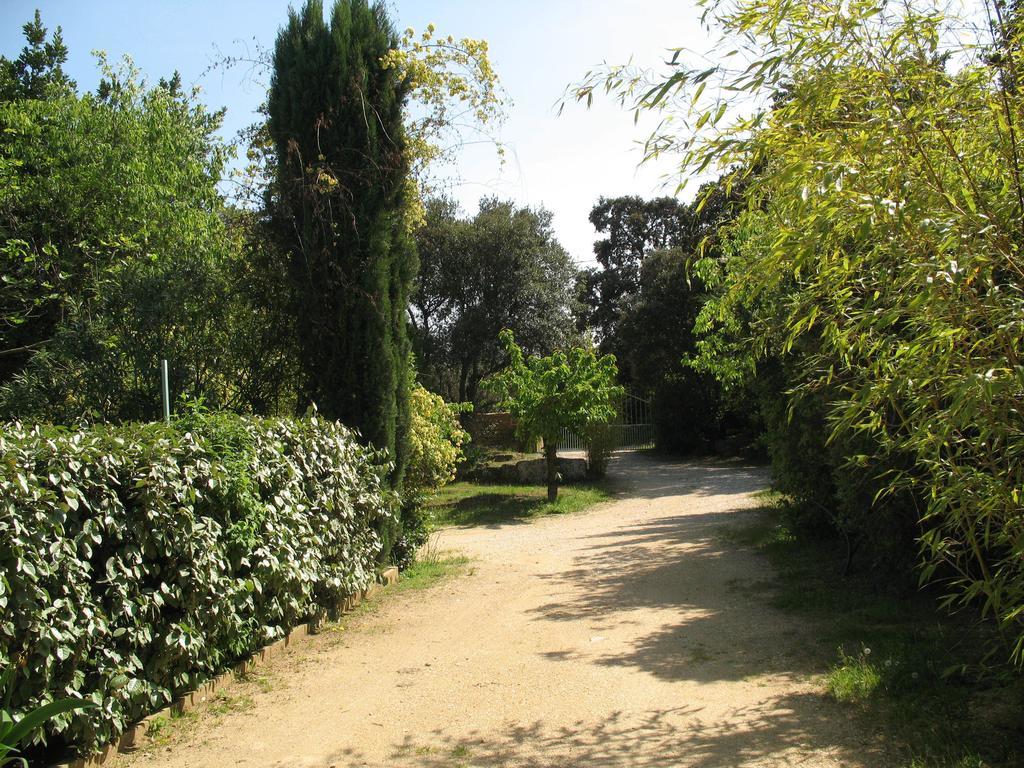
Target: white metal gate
x=632, y=428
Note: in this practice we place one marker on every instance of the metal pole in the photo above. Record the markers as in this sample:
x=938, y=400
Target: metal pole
x=167, y=391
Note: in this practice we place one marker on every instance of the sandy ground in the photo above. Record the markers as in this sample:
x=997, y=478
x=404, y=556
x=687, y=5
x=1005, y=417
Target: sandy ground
x=628, y=635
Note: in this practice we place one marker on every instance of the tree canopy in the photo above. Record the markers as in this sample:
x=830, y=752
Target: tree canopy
x=633, y=227
x=38, y=72
x=500, y=269
x=115, y=252
x=877, y=262
x=547, y=395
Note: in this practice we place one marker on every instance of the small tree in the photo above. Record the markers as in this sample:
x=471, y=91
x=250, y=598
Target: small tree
x=566, y=390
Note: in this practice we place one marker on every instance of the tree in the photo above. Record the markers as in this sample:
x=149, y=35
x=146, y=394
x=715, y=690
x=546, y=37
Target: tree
x=37, y=73
x=501, y=269
x=634, y=227
x=458, y=100
x=115, y=254
x=546, y=395
x=342, y=180
x=656, y=330
x=890, y=194
x=455, y=98
x=443, y=247
x=116, y=250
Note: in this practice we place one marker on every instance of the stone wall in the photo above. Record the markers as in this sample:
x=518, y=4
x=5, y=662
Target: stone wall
x=493, y=430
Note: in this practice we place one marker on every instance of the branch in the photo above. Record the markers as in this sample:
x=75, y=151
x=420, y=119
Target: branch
x=26, y=348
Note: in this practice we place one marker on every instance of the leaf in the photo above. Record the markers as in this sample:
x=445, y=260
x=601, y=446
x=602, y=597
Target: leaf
x=38, y=717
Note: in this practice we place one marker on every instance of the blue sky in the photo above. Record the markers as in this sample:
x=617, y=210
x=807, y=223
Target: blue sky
x=564, y=163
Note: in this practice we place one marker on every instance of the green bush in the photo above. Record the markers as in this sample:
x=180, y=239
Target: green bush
x=687, y=412
x=835, y=478
x=137, y=561
x=601, y=441
x=436, y=440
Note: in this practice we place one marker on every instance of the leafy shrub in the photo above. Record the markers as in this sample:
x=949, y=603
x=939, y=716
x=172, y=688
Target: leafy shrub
x=12, y=731
x=139, y=560
x=601, y=440
x=686, y=412
x=835, y=478
x=436, y=440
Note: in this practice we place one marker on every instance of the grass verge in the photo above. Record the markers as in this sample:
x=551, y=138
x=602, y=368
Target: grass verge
x=468, y=504
x=430, y=569
x=933, y=684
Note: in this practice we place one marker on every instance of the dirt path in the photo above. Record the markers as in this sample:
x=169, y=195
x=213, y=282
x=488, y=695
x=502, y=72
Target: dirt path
x=629, y=635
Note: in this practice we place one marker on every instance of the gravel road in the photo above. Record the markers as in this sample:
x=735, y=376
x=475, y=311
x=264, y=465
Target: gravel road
x=632, y=634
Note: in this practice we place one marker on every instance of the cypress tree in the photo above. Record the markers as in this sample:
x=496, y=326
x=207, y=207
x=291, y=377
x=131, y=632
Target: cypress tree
x=339, y=202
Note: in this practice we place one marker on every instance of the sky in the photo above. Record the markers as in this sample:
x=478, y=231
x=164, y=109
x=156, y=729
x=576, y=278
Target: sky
x=564, y=163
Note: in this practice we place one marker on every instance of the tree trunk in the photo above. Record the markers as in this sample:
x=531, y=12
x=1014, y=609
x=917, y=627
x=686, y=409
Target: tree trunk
x=473, y=383
x=463, y=377
x=551, y=455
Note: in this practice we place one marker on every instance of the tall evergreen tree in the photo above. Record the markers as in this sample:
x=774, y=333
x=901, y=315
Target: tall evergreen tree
x=341, y=197
x=37, y=72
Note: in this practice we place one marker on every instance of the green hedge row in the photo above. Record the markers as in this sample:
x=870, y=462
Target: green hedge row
x=137, y=561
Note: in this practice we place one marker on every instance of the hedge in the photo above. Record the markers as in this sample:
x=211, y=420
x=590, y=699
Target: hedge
x=137, y=561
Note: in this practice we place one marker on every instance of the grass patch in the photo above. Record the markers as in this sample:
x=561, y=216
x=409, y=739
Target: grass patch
x=256, y=679
x=162, y=730
x=930, y=682
x=468, y=504
x=431, y=569
x=225, y=703
x=854, y=678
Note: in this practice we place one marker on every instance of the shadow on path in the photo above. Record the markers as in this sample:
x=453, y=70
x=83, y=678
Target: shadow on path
x=713, y=625
x=777, y=735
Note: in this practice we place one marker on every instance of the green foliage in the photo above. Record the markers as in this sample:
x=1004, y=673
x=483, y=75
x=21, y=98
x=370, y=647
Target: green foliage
x=436, y=440
x=468, y=504
x=343, y=191
x=13, y=732
x=633, y=229
x=643, y=302
x=117, y=251
x=546, y=395
x=883, y=165
x=601, y=441
x=655, y=331
x=138, y=561
x=854, y=678
x=500, y=269
x=38, y=71
x=455, y=99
